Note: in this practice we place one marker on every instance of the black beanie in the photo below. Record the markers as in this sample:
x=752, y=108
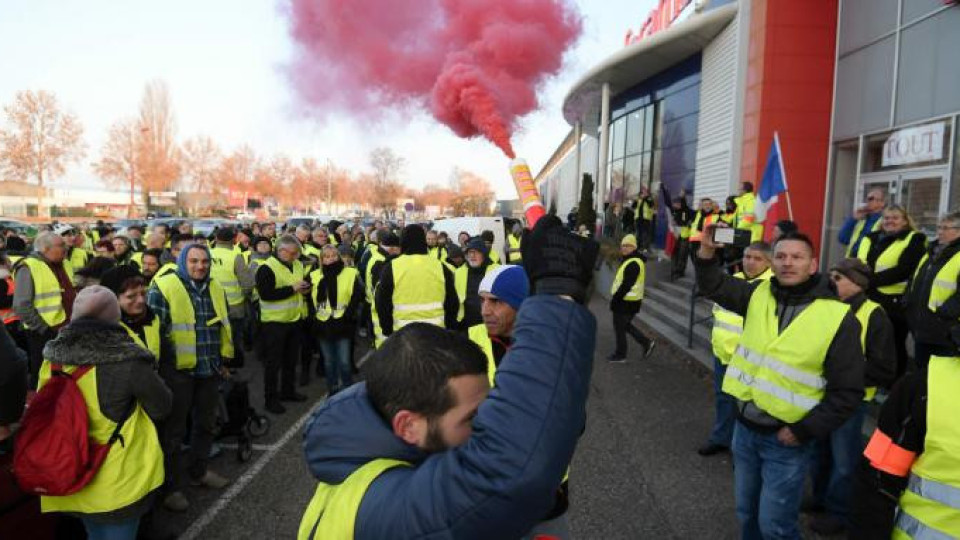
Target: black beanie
x=114, y=278
x=413, y=240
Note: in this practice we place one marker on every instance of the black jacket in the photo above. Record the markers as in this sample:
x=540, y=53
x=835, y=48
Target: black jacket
x=881, y=352
x=472, y=302
x=843, y=366
x=903, y=418
x=682, y=216
x=932, y=329
x=904, y=268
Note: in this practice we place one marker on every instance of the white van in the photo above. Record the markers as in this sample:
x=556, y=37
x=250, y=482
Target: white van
x=474, y=226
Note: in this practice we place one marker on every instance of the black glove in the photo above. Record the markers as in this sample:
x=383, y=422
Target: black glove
x=558, y=261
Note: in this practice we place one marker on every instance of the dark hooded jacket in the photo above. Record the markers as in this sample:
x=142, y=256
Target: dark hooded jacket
x=125, y=374
x=503, y=480
x=843, y=367
x=932, y=328
x=412, y=242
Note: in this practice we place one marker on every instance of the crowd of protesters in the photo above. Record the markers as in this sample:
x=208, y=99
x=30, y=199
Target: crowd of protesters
x=192, y=310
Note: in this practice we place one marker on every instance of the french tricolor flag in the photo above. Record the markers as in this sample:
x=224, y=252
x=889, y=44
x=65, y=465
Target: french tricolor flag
x=773, y=184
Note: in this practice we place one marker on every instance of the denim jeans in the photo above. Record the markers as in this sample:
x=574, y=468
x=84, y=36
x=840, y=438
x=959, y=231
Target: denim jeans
x=768, y=480
x=124, y=530
x=835, y=463
x=726, y=408
x=336, y=359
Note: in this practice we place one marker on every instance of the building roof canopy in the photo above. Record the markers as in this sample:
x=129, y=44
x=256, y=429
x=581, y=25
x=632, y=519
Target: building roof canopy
x=637, y=62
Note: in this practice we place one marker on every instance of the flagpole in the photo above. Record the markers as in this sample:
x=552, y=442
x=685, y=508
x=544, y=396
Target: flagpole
x=783, y=173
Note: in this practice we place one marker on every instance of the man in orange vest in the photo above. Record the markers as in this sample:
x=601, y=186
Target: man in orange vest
x=707, y=215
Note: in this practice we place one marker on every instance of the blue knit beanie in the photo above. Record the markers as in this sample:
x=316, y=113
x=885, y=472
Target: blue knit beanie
x=509, y=283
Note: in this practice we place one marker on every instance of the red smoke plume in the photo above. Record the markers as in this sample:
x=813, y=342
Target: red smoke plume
x=476, y=64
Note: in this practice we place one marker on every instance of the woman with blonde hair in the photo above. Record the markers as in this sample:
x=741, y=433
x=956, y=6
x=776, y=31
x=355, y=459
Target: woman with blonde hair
x=893, y=253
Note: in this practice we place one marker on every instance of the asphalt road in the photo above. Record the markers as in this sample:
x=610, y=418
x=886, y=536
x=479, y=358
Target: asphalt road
x=635, y=474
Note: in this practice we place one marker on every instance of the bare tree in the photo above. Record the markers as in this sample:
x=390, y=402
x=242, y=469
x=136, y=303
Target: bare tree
x=119, y=157
x=387, y=166
x=199, y=159
x=472, y=194
x=40, y=139
x=159, y=157
x=238, y=170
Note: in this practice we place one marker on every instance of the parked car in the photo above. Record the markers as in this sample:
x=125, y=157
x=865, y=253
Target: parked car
x=122, y=225
x=23, y=229
x=206, y=226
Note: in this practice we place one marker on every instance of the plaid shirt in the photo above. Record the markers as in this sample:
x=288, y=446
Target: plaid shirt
x=208, y=337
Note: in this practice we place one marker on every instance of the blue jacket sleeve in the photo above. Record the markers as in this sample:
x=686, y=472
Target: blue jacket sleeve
x=846, y=232
x=503, y=480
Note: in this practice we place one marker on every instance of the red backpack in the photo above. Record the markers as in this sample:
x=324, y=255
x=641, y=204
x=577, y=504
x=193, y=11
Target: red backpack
x=53, y=453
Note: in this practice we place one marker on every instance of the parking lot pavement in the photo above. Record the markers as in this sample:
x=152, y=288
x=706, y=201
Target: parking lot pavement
x=636, y=473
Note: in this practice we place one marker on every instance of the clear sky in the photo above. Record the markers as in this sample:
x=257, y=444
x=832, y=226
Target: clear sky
x=223, y=60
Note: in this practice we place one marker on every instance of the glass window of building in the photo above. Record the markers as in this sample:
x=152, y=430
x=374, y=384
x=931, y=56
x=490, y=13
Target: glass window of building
x=635, y=132
x=618, y=141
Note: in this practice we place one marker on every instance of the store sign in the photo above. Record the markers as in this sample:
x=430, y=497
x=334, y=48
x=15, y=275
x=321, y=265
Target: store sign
x=163, y=198
x=660, y=18
x=914, y=145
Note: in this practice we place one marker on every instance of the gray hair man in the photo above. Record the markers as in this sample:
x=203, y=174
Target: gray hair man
x=43, y=295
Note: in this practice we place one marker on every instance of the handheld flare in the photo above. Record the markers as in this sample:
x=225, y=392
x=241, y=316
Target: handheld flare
x=527, y=190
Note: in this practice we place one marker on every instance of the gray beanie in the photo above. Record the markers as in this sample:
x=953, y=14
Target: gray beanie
x=96, y=302
x=856, y=271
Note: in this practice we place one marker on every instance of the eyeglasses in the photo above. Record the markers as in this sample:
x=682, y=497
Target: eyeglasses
x=947, y=227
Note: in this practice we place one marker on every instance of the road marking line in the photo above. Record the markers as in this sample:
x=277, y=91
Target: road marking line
x=257, y=447
x=207, y=517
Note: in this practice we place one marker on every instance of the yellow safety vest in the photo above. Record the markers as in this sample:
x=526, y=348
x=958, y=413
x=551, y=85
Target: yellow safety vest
x=151, y=332
x=887, y=260
x=728, y=326
x=747, y=218
x=944, y=283
x=643, y=210
x=930, y=506
x=857, y=230
x=137, y=260
x=183, y=321
x=438, y=253
x=782, y=372
x=695, y=234
x=863, y=315
x=635, y=294
x=47, y=297
x=375, y=256
x=478, y=334
x=345, y=282
x=130, y=471
x=419, y=290
x=460, y=276
x=494, y=256
x=78, y=258
x=222, y=261
x=292, y=308
x=514, y=257
x=165, y=270
x=309, y=250
x=332, y=512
